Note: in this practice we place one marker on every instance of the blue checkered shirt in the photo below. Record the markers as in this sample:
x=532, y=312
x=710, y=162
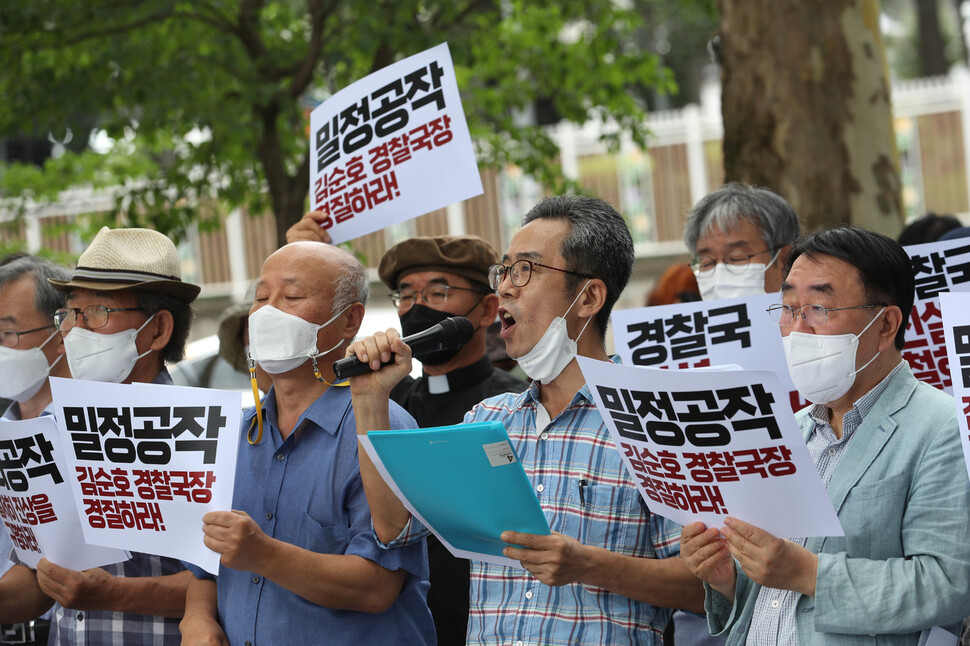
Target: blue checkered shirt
x=510, y=606
x=773, y=621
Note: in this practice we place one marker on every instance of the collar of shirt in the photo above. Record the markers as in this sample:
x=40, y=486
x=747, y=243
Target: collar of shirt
x=326, y=412
x=821, y=414
x=460, y=378
x=13, y=413
x=531, y=397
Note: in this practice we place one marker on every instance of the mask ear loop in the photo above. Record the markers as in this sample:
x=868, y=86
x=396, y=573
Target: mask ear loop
x=259, y=406
x=319, y=375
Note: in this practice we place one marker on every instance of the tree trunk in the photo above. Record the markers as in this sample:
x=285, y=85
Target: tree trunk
x=806, y=109
x=932, y=59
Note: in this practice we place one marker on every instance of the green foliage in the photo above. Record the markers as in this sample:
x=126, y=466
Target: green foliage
x=244, y=71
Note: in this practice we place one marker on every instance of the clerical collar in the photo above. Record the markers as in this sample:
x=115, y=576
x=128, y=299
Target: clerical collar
x=459, y=378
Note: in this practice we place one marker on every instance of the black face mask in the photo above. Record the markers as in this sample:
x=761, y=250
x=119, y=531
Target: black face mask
x=418, y=319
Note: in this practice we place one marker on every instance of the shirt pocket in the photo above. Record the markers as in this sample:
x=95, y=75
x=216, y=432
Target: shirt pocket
x=324, y=539
x=605, y=516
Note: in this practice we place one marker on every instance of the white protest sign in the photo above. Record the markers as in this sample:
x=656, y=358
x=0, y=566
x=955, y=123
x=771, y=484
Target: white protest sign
x=147, y=461
x=955, y=311
x=707, y=444
x=392, y=146
x=37, y=503
x=938, y=267
x=735, y=331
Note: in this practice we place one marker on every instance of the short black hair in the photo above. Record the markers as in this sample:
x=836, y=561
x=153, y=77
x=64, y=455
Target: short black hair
x=928, y=228
x=598, y=244
x=151, y=303
x=885, y=270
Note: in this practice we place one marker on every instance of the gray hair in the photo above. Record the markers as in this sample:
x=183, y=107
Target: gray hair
x=725, y=207
x=47, y=300
x=351, y=286
x=151, y=303
x=598, y=244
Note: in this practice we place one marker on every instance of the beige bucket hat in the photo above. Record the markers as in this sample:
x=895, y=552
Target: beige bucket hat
x=130, y=258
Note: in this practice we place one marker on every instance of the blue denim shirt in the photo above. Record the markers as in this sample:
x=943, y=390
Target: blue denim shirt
x=307, y=491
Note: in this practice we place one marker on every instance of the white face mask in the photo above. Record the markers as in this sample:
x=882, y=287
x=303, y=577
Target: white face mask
x=103, y=357
x=554, y=351
x=23, y=372
x=720, y=282
x=280, y=342
x=822, y=366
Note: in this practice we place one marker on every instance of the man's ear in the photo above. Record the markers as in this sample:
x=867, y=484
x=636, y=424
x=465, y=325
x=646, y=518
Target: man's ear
x=162, y=327
x=592, y=300
x=489, y=311
x=353, y=318
x=892, y=319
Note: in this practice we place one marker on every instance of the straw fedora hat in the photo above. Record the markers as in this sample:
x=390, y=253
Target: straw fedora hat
x=130, y=258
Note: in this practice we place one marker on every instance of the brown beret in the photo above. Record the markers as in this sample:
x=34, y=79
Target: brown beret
x=465, y=256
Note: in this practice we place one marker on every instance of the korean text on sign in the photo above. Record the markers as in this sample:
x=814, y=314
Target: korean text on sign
x=705, y=444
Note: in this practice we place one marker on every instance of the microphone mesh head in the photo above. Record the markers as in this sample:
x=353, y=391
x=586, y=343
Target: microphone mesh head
x=457, y=331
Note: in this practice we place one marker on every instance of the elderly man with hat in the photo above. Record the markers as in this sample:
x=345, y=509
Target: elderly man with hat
x=127, y=313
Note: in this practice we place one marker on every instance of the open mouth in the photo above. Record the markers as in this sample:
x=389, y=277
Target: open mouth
x=508, y=321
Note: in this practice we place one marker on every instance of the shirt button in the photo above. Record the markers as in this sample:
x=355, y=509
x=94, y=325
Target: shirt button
x=528, y=594
x=256, y=580
x=279, y=456
x=544, y=435
x=518, y=643
x=775, y=604
x=540, y=488
x=831, y=451
x=249, y=643
x=269, y=515
x=80, y=616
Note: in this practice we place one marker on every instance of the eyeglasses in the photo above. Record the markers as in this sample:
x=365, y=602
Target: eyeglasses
x=734, y=262
x=11, y=338
x=95, y=316
x=813, y=315
x=520, y=272
x=434, y=295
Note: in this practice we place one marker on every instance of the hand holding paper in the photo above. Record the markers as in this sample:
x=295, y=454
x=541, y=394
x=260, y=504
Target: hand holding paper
x=707, y=557
x=770, y=561
x=238, y=538
x=555, y=559
x=87, y=590
x=309, y=229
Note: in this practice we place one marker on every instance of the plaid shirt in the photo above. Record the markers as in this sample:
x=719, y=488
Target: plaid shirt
x=773, y=621
x=104, y=628
x=510, y=606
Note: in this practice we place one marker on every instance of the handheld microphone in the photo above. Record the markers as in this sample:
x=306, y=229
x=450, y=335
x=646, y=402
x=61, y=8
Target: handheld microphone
x=450, y=334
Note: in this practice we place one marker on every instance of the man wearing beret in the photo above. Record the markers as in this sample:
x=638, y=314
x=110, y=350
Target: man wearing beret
x=127, y=313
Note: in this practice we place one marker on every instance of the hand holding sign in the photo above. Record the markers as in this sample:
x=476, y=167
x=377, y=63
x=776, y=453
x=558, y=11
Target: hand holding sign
x=770, y=561
x=237, y=537
x=309, y=229
x=87, y=590
x=706, y=554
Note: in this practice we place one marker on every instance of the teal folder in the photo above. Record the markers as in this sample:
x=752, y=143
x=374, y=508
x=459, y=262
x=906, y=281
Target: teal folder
x=464, y=481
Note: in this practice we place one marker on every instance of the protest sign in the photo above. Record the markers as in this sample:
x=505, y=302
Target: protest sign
x=938, y=267
x=704, y=444
x=955, y=312
x=390, y=147
x=147, y=461
x=36, y=502
x=735, y=331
